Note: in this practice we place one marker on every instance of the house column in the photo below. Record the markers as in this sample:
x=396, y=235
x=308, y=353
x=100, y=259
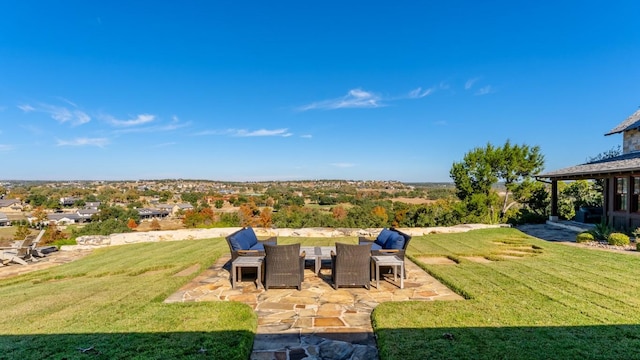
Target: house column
x=554, y=201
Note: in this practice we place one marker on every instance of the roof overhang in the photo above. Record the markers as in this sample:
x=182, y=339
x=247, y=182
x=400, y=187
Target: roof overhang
x=626, y=164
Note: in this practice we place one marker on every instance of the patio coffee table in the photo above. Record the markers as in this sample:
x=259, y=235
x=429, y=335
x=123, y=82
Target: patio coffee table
x=317, y=254
x=246, y=261
x=386, y=260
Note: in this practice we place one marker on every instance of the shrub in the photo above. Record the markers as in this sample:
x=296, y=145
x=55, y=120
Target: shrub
x=585, y=236
x=618, y=239
x=602, y=230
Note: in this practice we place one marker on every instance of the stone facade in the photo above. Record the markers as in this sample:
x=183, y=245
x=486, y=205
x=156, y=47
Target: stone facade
x=631, y=141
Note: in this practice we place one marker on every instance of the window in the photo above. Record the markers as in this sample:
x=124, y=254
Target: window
x=635, y=203
x=620, y=201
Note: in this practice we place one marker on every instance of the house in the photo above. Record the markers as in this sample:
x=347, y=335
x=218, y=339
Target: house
x=11, y=205
x=4, y=220
x=621, y=175
x=86, y=214
x=150, y=214
x=62, y=218
x=92, y=205
x=68, y=201
x=173, y=209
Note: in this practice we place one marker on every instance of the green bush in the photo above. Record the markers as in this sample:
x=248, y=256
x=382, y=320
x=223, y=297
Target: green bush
x=618, y=239
x=585, y=236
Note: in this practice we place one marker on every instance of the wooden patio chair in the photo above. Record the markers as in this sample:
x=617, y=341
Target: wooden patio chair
x=283, y=266
x=351, y=265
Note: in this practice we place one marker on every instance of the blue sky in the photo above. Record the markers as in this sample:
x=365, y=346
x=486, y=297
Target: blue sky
x=302, y=90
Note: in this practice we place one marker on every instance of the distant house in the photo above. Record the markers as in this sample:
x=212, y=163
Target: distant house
x=68, y=201
x=150, y=214
x=173, y=209
x=11, y=205
x=62, y=218
x=86, y=214
x=621, y=175
x=4, y=220
x=92, y=205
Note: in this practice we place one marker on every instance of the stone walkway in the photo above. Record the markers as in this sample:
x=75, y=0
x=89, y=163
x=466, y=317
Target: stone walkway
x=52, y=259
x=317, y=322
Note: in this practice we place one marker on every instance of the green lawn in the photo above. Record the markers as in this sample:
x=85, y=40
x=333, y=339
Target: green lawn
x=555, y=301
x=111, y=301
x=552, y=301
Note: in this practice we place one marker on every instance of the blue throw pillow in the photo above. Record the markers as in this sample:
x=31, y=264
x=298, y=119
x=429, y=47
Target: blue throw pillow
x=383, y=237
x=243, y=239
x=395, y=241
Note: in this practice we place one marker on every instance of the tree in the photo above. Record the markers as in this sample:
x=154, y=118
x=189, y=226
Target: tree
x=265, y=219
x=40, y=216
x=21, y=232
x=155, y=225
x=516, y=165
x=480, y=170
x=131, y=224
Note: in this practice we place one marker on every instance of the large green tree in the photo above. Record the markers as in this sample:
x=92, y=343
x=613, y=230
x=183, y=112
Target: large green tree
x=482, y=168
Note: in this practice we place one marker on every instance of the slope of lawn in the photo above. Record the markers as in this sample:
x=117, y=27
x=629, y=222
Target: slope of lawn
x=544, y=301
x=109, y=304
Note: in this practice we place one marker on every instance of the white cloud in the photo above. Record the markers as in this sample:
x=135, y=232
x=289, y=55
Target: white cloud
x=355, y=98
x=419, y=93
x=440, y=123
x=59, y=113
x=343, y=165
x=469, y=84
x=485, y=90
x=26, y=108
x=99, y=142
x=5, y=147
x=138, y=120
x=261, y=132
x=306, y=136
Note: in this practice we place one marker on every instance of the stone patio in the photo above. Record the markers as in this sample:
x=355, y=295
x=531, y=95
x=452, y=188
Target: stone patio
x=317, y=322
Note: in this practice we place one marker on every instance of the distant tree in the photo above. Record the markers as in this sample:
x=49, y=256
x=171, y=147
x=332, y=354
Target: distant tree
x=40, y=216
x=218, y=203
x=132, y=224
x=155, y=225
x=52, y=234
x=481, y=169
x=339, y=213
x=21, y=232
x=265, y=218
x=380, y=215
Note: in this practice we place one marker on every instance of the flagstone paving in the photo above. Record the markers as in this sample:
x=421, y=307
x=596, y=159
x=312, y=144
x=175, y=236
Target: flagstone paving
x=317, y=322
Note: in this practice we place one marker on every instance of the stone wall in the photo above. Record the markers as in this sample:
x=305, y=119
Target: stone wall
x=631, y=141
x=93, y=241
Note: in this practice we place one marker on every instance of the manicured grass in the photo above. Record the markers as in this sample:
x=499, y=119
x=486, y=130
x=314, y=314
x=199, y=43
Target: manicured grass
x=111, y=302
x=546, y=301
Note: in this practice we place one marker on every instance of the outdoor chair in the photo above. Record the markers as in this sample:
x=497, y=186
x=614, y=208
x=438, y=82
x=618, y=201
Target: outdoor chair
x=283, y=266
x=388, y=242
x=351, y=265
x=245, y=242
x=25, y=251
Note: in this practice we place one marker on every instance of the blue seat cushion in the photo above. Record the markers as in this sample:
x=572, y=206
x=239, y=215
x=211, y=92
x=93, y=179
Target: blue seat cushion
x=243, y=239
x=258, y=246
x=375, y=246
x=383, y=237
x=395, y=241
